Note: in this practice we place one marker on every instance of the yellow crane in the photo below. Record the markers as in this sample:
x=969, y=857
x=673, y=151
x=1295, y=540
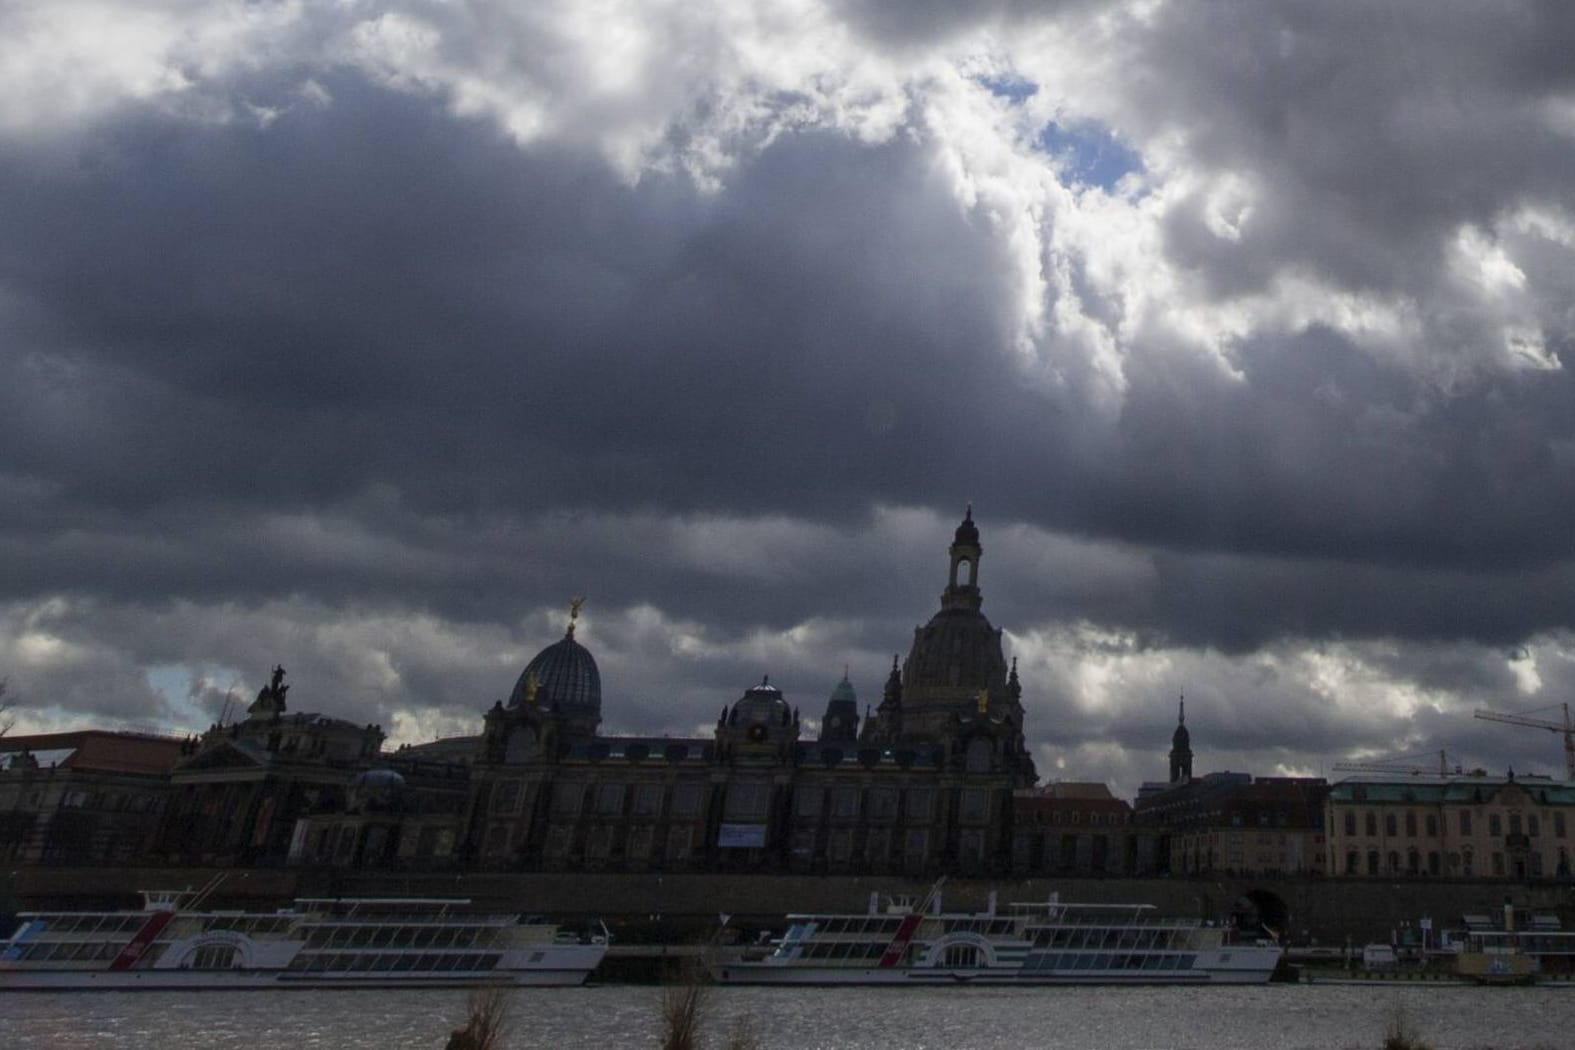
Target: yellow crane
x=1563, y=727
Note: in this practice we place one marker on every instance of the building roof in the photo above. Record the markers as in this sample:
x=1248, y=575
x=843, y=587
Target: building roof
x=98, y=750
x=1463, y=787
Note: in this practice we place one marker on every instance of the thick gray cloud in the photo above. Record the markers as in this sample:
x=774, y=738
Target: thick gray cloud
x=362, y=339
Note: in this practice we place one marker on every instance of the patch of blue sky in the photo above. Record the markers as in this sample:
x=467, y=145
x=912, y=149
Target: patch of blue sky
x=1090, y=153
x=1007, y=86
x=173, y=684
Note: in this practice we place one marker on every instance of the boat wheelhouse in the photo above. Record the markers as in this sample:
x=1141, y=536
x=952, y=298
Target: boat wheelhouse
x=336, y=943
x=1049, y=942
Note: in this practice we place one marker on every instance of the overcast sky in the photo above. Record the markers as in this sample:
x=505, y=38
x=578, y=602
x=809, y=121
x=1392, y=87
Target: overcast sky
x=361, y=337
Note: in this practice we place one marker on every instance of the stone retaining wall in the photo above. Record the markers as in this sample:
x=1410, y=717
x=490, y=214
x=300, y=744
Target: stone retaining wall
x=678, y=908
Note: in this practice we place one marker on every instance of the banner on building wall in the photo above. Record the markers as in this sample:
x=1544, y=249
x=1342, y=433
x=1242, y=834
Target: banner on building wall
x=741, y=836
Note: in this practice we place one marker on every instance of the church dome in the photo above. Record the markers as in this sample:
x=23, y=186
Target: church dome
x=763, y=705
x=957, y=649
x=843, y=693
x=376, y=789
x=564, y=678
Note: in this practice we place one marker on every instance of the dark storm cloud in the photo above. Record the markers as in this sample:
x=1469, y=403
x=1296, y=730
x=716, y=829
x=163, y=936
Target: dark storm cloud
x=1375, y=129
x=369, y=383
x=480, y=326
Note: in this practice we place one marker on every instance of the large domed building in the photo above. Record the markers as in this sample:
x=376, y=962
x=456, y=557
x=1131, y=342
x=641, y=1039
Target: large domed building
x=923, y=785
x=563, y=679
x=955, y=688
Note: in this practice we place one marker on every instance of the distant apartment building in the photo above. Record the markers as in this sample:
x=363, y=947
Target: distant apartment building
x=91, y=796
x=1232, y=823
x=1078, y=828
x=1236, y=824
x=1460, y=826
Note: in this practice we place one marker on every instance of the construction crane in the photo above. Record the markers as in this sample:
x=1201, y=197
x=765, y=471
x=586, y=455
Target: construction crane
x=1413, y=764
x=1563, y=727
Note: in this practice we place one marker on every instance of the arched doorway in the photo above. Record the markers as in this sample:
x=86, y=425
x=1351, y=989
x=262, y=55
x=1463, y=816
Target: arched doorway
x=1260, y=912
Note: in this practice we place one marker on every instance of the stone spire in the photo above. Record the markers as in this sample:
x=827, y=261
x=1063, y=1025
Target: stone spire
x=1181, y=747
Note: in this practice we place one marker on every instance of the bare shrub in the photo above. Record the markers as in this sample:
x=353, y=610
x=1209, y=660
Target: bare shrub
x=1401, y=1034
x=685, y=1008
x=486, y=1017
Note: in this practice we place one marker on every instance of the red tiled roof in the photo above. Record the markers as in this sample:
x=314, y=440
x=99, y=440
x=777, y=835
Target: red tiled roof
x=103, y=750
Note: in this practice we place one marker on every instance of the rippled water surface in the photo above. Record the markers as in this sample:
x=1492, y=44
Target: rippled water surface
x=1274, y=1017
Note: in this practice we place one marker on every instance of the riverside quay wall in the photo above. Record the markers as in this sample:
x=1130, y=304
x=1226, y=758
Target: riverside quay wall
x=686, y=908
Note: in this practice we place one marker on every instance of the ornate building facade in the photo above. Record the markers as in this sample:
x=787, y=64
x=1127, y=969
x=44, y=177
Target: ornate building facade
x=1460, y=826
x=240, y=788
x=86, y=797
x=925, y=784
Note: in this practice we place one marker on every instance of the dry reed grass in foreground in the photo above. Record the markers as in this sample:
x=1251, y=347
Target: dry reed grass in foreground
x=486, y=1017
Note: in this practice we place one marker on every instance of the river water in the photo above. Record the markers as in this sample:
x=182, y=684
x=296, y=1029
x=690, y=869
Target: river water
x=1271, y=1017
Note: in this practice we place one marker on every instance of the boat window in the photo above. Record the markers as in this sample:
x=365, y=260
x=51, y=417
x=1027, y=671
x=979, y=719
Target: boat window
x=214, y=957
x=961, y=956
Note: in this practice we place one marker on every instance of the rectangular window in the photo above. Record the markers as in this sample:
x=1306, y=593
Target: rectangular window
x=747, y=800
x=566, y=799
x=686, y=800
x=506, y=797
x=920, y=802
x=1498, y=863
x=1558, y=824
x=1495, y=825
x=845, y=802
x=1465, y=822
x=679, y=841
x=598, y=844
x=1410, y=825
x=883, y=803
x=1389, y=825
x=609, y=799
x=975, y=804
x=1432, y=825
x=916, y=844
x=1350, y=822
x=807, y=801
x=647, y=799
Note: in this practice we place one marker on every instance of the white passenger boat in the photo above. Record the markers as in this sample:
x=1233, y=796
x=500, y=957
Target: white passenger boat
x=895, y=942
x=337, y=943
